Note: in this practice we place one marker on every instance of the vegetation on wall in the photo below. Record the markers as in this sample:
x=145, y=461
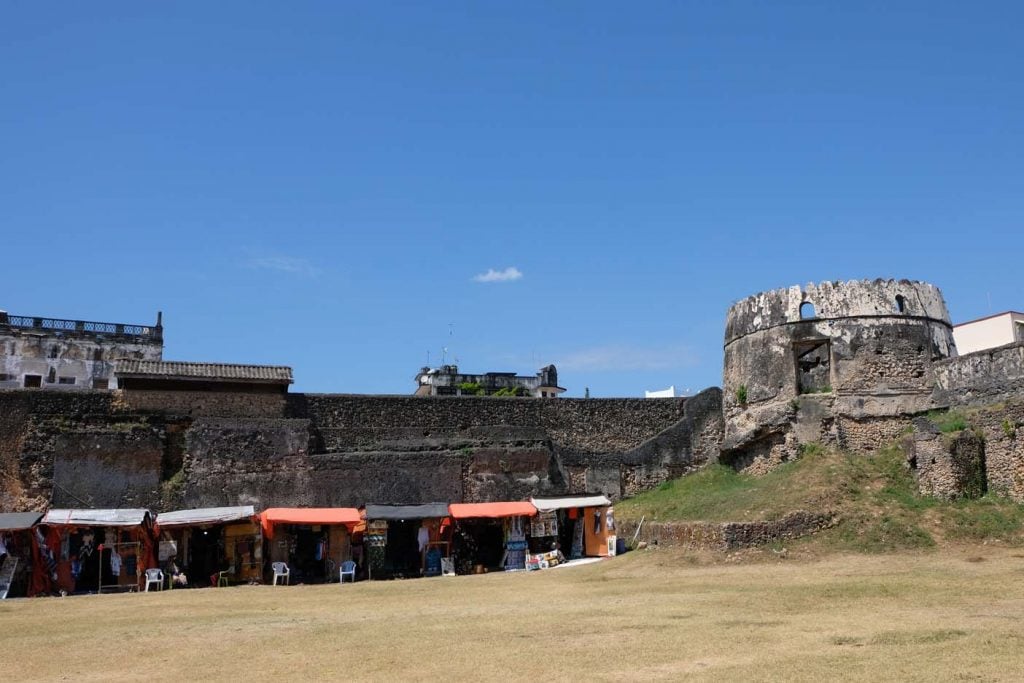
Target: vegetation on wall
x=471, y=389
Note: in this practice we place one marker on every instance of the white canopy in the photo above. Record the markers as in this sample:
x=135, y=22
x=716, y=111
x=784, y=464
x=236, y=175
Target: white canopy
x=118, y=517
x=566, y=502
x=205, y=516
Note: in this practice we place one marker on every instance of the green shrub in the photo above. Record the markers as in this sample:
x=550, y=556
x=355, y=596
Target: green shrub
x=741, y=395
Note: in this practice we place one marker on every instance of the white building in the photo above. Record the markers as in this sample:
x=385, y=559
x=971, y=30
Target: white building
x=989, y=332
x=671, y=392
x=53, y=353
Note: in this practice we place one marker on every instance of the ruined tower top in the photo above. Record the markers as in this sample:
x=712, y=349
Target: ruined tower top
x=835, y=301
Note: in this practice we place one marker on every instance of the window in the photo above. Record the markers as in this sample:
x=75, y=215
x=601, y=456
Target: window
x=901, y=304
x=101, y=384
x=65, y=380
x=1018, y=329
x=33, y=381
x=807, y=311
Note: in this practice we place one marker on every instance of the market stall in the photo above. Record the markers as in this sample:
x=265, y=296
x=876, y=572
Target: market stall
x=95, y=550
x=490, y=536
x=574, y=525
x=407, y=540
x=16, y=553
x=195, y=546
x=313, y=542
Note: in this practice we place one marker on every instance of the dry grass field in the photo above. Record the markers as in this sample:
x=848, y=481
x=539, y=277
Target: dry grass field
x=954, y=614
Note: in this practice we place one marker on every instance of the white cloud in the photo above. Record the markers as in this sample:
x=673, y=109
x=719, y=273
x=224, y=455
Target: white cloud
x=284, y=264
x=508, y=275
x=615, y=357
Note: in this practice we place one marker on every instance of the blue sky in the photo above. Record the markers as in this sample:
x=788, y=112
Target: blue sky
x=318, y=184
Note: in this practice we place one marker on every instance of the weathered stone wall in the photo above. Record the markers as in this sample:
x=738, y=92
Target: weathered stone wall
x=870, y=434
x=725, y=535
x=26, y=456
x=982, y=377
x=1002, y=427
x=865, y=352
x=106, y=449
x=584, y=425
x=206, y=403
x=947, y=465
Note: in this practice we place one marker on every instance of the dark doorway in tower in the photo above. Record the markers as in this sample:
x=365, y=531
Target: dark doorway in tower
x=813, y=372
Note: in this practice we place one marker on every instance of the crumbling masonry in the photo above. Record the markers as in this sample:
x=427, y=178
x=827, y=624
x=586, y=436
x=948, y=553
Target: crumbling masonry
x=858, y=365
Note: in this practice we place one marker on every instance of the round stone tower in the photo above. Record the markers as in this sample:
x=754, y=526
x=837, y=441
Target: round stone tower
x=843, y=363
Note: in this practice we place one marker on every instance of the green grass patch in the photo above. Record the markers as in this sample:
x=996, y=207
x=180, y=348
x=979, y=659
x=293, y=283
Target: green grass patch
x=987, y=518
x=875, y=499
x=948, y=421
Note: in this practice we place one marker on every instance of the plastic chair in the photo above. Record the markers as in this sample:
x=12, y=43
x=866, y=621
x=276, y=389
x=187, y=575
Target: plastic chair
x=222, y=578
x=348, y=568
x=281, y=569
x=154, y=576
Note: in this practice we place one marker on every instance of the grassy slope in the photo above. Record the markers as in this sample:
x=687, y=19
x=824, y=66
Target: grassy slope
x=875, y=498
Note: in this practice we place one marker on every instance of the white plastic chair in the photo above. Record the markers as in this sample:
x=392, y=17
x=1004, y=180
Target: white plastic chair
x=348, y=568
x=154, y=576
x=281, y=569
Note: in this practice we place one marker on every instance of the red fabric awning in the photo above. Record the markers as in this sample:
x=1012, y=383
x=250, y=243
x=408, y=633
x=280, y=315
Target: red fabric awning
x=272, y=516
x=492, y=510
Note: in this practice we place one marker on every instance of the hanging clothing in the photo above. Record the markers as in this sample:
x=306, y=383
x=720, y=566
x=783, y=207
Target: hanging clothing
x=115, y=563
x=423, y=537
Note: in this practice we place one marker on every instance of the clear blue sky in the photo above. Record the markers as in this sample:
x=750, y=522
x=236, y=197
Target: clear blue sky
x=317, y=184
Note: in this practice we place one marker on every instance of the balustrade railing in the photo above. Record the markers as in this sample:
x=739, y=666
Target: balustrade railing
x=142, y=332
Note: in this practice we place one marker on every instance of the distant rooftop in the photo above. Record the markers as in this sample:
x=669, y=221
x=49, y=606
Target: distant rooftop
x=82, y=328
x=272, y=374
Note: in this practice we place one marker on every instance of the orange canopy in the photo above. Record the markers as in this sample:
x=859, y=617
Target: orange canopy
x=471, y=510
x=272, y=516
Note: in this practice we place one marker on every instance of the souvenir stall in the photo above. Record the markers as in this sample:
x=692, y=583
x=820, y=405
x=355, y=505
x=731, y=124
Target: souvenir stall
x=195, y=546
x=490, y=536
x=404, y=541
x=96, y=550
x=16, y=553
x=313, y=542
x=574, y=525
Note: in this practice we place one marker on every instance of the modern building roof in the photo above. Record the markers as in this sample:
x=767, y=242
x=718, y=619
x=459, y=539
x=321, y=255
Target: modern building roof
x=181, y=370
x=425, y=511
x=492, y=510
x=566, y=502
x=118, y=517
x=205, y=516
x=988, y=317
x=18, y=521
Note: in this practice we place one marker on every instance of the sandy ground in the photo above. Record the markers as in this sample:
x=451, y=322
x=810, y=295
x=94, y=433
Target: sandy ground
x=945, y=615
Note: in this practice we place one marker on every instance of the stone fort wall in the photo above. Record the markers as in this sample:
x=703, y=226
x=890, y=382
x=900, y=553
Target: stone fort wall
x=102, y=449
